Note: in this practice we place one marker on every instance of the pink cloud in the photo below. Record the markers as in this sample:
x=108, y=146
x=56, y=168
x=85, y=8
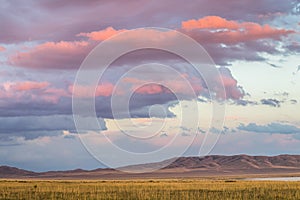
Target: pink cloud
x=105, y=89
x=102, y=34
x=210, y=22
x=30, y=85
x=2, y=48
x=57, y=91
x=174, y=86
x=214, y=29
x=209, y=31
x=31, y=91
x=24, y=86
x=228, y=81
x=151, y=89
x=53, y=55
x=232, y=90
x=70, y=54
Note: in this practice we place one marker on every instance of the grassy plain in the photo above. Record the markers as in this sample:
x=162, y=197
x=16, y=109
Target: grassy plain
x=149, y=189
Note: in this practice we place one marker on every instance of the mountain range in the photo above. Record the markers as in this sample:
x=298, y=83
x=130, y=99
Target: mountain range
x=183, y=167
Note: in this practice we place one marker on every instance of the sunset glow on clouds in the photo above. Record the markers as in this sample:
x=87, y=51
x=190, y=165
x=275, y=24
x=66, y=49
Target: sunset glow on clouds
x=101, y=35
x=43, y=43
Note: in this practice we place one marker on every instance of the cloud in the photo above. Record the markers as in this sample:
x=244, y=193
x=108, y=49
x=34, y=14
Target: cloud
x=30, y=91
x=271, y=102
x=104, y=89
x=51, y=16
x=240, y=40
x=178, y=86
x=270, y=128
x=232, y=90
x=53, y=55
x=256, y=144
x=102, y=34
x=33, y=98
x=231, y=40
x=214, y=29
x=2, y=48
x=293, y=101
x=37, y=107
x=226, y=41
x=210, y=22
x=224, y=130
x=294, y=47
x=25, y=86
x=284, y=94
x=70, y=54
x=273, y=65
x=152, y=89
x=243, y=102
x=31, y=127
x=17, y=100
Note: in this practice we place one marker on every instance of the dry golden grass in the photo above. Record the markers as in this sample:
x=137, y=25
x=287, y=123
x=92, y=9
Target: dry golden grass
x=149, y=189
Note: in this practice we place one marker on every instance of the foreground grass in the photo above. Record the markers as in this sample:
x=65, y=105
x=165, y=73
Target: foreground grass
x=149, y=189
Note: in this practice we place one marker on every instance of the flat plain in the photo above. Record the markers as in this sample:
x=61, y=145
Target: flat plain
x=191, y=178
x=163, y=189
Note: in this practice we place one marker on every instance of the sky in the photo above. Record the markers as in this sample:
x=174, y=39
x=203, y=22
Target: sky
x=253, y=47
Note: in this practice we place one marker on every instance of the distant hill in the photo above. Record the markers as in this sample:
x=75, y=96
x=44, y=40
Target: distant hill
x=213, y=165
x=6, y=172
x=237, y=162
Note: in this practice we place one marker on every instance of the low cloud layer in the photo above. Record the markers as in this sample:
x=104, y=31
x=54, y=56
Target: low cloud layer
x=270, y=128
x=31, y=127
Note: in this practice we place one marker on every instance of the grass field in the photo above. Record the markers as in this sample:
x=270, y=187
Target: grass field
x=149, y=189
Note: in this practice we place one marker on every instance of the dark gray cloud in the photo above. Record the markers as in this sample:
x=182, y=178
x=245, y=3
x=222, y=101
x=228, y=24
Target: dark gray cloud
x=242, y=102
x=11, y=108
x=284, y=94
x=270, y=128
x=273, y=65
x=32, y=123
x=31, y=127
x=293, y=101
x=271, y=102
x=139, y=106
